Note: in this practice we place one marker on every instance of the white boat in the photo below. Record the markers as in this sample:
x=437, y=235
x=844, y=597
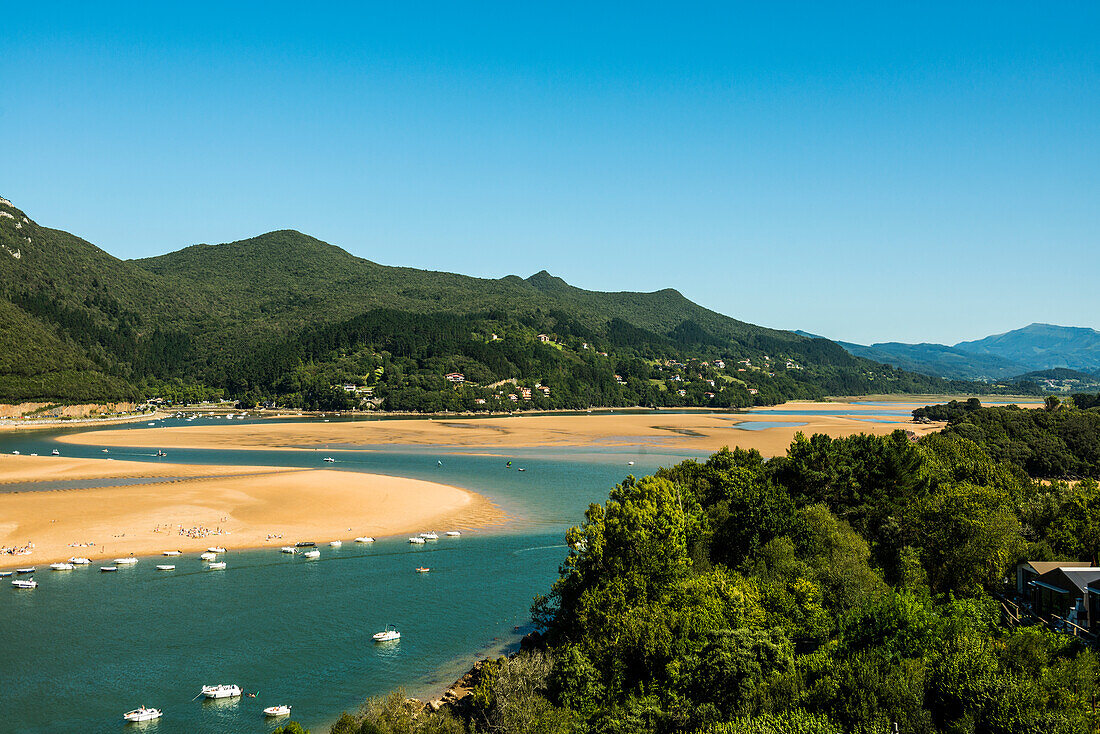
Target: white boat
x=429, y=536
x=289, y=549
x=166, y=567
x=55, y=452
x=62, y=566
x=329, y=459
x=29, y=569
x=216, y=549
x=25, y=584
x=103, y=450
x=335, y=543
x=152, y=424
x=170, y=553
x=417, y=540
x=277, y=711
x=312, y=554
x=220, y=566
x=630, y=463
x=453, y=533
x=423, y=569
x=208, y=556
x=4, y=574
x=108, y=569
x=127, y=561
x=364, y=539
x=389, y=635
x=78, y=561
x=222, y=691
x=142, y=714
x=16, y=453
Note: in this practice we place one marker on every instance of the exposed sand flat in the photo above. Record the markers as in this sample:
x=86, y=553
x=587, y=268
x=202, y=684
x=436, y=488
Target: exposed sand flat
x=16, y=469
x=656, y=429
x=318, y=505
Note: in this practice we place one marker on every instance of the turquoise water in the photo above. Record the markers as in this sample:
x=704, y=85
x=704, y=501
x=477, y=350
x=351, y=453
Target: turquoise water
x=85, y=647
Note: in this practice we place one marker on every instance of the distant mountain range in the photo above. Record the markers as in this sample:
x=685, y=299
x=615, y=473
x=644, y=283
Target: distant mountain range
x=1019, y=353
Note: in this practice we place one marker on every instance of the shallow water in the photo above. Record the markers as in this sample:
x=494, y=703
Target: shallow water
x=85, y=646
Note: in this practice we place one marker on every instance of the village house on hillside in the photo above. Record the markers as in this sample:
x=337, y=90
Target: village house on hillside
x=455, y=377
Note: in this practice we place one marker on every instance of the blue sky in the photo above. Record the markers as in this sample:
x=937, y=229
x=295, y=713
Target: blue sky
x=869, y=172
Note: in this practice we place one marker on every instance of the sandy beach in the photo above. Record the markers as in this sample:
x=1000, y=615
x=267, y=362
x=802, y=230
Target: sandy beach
x=702, y=432
x=234, y=507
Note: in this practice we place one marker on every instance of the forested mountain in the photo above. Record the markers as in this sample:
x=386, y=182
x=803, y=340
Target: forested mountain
x=284, y=317
x=1005, y=356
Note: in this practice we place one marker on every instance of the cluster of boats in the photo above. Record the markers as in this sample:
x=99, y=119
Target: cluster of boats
x=423, y=538
x=224, y=690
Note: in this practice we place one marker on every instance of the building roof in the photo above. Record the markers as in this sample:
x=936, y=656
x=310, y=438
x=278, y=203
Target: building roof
x=1041, y=567
x=1063, y=577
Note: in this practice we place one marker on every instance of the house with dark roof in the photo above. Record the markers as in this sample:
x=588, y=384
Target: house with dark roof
x=1027, y=571
x=1062, y=592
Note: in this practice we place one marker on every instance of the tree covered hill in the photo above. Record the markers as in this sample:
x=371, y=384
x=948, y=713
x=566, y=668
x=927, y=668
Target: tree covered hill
x=286, y=317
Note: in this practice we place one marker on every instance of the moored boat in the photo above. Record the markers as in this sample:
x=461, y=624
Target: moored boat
x=55, y=452
x=224, y=690
x=329, y=459
x=108, y=569
x=79, y=561
x=166, y=567
x=29, y=569
x=5, y=574
x=127, y=561
x=429, y=536
x=208, y=556
x=61, y=567
x=364, y=539
x=277, y=711
x=171, y=553
x=423, y=569
x=289, y=549
x=453, y=533
x=417, y=540
x=312, y=554
x=25, y=583
x=215, y=549
x=388, y=635
x=220, y=566
x=142, y=714
x=335, y=543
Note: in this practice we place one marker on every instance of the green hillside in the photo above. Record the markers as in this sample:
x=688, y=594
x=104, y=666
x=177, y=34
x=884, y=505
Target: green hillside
x=284, y=317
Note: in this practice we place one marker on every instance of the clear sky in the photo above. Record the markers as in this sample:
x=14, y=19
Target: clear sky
x=871, y=172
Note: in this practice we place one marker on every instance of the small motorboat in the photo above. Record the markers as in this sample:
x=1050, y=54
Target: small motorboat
x=329, y=459
x=630, y=463
x=220, y=566
x=453, y=533
x=166, y=567
x=127, y=561
x=16, y=453
x=312, y=554
x=417, y=540
x=61, y=567
x=108, y=569
x=78, y=561
x=429, y=536
x=105, y=451
x=55, y=452
x=521, y=469
x=221, y=691
x=152, y=424
x=25, y=570
x=24, y=583
x=160, y=452
x=289, y=549
x=142, y=714
x=388, y=635
x=4, y=574
x=423, y=569
x=304, y=544
x=335, y=543
x=171, y=553
x=208, y=556
x=364, y=539
x=277, y=711
x=216, y=549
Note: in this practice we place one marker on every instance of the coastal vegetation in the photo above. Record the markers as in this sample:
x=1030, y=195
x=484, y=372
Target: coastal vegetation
x=286, y=319
x=847, y=586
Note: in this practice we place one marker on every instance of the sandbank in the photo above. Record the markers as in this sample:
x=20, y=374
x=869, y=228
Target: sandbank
x=268, y=509
x=691, y=432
